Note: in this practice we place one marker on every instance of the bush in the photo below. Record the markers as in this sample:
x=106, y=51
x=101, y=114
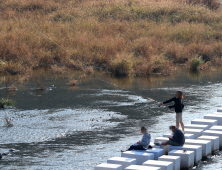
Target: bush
x=195, y=63
x=121, y=65
x=6, y=102
x=73, y=82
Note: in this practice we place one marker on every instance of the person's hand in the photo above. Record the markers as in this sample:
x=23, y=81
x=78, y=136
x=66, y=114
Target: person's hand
x=160, y=104
x=170, y=138
x=138, y=142
x=168, y=107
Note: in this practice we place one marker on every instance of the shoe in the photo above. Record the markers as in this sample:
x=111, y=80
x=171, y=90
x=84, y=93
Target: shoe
x=158, y=144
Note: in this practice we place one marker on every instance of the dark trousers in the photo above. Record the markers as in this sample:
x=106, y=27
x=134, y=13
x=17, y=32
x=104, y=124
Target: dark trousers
x=136, y=147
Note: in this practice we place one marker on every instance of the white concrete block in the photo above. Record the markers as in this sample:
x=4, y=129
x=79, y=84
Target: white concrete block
x=163, y=164
x=196, y=126
x=214, y=141
x=196, y=132
x=164, y=147
x=138, y=155
x=174, y=159
x=157, y=152
x=214, y=133
x=206, y=145
x=125, y=162
x=217, y=117
x=167, y=135
x=204, y=122
x=186, y=158
x=196, y=148
x=105, y=166
x=219, y=110
x=140, y=167
x=161, y=139
x=187, y=135
x=218, y=128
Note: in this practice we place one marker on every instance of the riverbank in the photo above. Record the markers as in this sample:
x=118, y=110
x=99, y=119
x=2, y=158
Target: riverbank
x=123, y=37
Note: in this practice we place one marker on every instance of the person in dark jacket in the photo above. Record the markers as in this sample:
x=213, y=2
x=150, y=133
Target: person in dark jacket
x=178, y=138
x=144, y=143
x=178, y=106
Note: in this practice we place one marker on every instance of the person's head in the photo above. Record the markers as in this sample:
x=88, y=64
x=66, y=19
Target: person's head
x=179, y=94
x=143, y=130
x=173, y=128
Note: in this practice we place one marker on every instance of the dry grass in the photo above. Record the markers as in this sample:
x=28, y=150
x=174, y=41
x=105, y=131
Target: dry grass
x=57, y=70
x=72, y=82
x=89, y=70
x=12, y=88
x=124, y=36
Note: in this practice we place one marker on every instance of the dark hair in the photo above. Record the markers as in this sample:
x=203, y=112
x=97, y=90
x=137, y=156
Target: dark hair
x=143, y=129
x=172, y=127
x=180, y=94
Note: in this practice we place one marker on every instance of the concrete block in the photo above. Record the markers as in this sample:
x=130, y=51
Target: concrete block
x=196, y=132
x=161, y=139
x=105, y=166
x=186, y=158
x=217, y=117
x=218, y=128
x=140, y=156
x=214, y=133
x=163, y=164
x=217, y=113
x=164, y=147
x=219, y=110
x=187, y=135
x=140, y=167
x=196, y=126
x=206, y=145
x=167, y=135
x=157, y=152
x=204, y=122
x=214, y=141
x=196, y=148
x=174, y=159
x=125, y=162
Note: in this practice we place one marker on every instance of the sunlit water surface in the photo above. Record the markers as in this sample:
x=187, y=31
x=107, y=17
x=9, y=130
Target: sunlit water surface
x=78, y=128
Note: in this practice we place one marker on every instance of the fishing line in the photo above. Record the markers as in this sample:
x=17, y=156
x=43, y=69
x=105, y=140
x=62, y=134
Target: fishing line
x=71, y=54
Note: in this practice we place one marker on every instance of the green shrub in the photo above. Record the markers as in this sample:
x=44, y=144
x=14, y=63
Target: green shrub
x=6, y=102
x=195, y=63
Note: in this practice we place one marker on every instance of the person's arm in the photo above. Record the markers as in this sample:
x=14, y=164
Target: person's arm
x=168, y=101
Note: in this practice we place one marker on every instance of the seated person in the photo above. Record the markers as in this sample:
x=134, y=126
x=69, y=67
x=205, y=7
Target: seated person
x=144, y=143
x=178, y=138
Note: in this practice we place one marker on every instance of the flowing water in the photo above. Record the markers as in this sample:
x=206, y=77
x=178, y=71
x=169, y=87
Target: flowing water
x=79, y=127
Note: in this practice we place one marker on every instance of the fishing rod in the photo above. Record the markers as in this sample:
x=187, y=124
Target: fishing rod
x=82, y=66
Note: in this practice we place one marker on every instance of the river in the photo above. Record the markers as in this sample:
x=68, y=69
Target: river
x=79, y=127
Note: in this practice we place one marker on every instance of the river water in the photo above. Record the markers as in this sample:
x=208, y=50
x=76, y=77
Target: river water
x=79, y=127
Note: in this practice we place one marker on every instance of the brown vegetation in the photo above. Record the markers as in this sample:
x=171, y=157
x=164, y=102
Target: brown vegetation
x=72, y=82
x=124, y=36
